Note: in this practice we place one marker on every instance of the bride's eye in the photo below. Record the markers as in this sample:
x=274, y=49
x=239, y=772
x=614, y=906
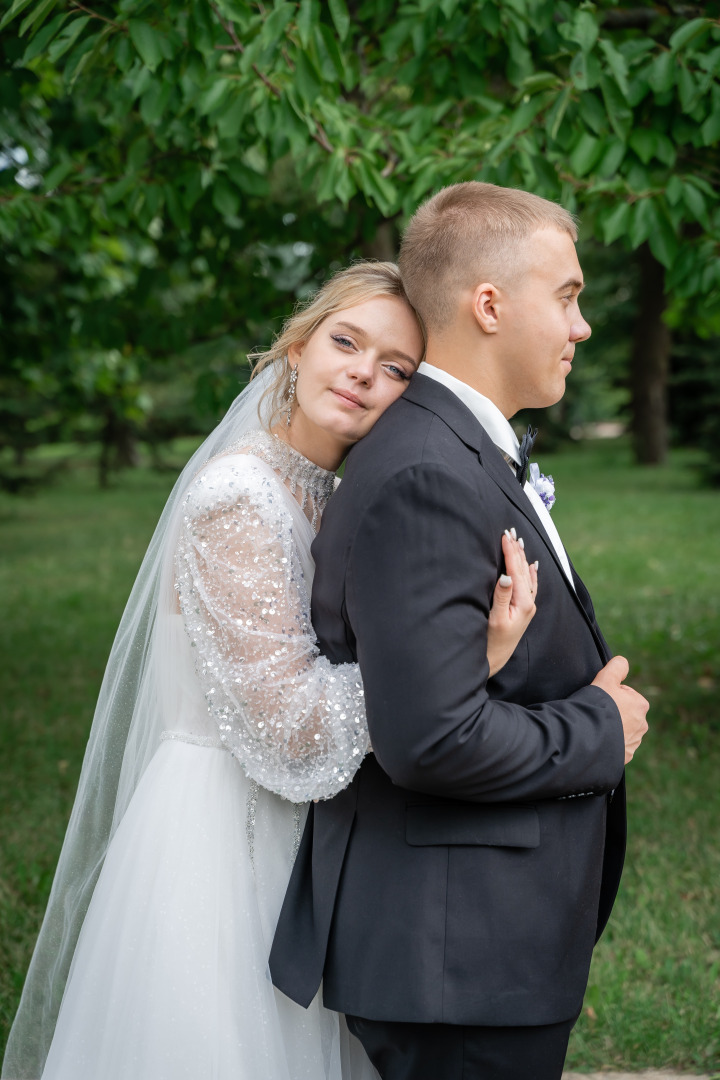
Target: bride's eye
x=397, y=372
x=344, y=341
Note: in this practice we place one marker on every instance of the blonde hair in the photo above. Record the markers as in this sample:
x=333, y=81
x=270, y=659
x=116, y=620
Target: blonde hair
x=468, y=233
x=354, y=285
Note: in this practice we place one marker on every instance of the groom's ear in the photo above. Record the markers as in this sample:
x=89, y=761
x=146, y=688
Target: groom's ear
x=485, y=307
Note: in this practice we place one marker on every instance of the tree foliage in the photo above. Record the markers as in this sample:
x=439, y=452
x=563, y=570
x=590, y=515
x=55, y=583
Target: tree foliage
x=200, y=143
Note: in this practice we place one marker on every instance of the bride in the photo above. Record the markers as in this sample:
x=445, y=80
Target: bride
x=216, y=723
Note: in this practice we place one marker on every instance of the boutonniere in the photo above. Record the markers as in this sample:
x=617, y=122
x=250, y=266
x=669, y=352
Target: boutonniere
x=544, y=485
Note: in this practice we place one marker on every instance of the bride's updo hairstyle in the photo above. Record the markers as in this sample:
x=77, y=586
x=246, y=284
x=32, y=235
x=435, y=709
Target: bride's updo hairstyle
x=355, y=285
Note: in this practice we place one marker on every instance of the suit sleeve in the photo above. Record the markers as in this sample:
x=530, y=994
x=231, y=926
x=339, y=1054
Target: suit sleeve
x=421, y=574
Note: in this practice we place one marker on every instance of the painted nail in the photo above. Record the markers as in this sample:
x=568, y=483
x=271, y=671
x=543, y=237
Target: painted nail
x=536, y=564
x=513, y=534
x=507, y=533
x=505, y=580
x=521, y=542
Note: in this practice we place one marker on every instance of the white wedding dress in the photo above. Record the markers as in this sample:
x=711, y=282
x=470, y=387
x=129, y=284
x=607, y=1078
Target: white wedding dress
x=169, y=980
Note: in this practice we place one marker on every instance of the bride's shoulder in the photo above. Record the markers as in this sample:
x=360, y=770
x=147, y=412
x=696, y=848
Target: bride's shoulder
x=239, y=472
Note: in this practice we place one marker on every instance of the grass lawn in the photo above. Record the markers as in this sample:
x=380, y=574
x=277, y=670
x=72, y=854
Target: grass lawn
x=645, y=542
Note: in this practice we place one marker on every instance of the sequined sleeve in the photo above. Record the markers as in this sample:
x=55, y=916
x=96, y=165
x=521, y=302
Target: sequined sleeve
x=295, y=722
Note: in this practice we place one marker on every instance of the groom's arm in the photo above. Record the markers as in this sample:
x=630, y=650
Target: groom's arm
x=420, y=579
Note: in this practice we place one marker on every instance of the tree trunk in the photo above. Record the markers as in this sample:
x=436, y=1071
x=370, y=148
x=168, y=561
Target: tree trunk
x=649, y=364
x=383, y=245
x=118, y=446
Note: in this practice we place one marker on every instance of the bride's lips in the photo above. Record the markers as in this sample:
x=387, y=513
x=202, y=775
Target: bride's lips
x=349, y=399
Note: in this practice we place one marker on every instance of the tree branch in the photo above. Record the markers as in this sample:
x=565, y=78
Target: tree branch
x=237, y=46
x=95, y=15
x=641, y=18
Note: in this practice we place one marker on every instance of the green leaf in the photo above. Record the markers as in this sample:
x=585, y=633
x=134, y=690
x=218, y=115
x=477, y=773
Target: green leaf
x=124, y=55
x=583, y=29
x=585, y=154
x=592, y=112
x=674, y=190
x=539, y=80
x=665, y=150
x=43, y=37
x=333, y=63
x=147, y=42
x=340, y=16
x=695, y=202
x=642, y=220
x=67, y=37
x=15, y=9
x=307, y=17
x=525, y=114
x=662, y=239
x=615, y=224
x=395, y=37
x=306, y=81
x=617, y=64
x=661, y=74
x=687, y=32
x=117, y=191
x=710, y=130
x=57, y=174
x=556, y=112
x=612, y=158
x=213, y=96
x=248, y=180
x=619, y=114
x=228, y=120
x=274, y=27
x=38, y=15
x=154, y=101
x=178, y=213
x=644, y=142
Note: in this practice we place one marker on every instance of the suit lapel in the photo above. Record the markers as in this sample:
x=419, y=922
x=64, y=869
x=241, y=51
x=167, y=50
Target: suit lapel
x=432, y=395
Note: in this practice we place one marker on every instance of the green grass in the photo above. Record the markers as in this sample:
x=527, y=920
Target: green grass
x=645, y=543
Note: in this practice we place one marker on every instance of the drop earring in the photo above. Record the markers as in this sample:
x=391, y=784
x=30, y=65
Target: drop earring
x=291, y=394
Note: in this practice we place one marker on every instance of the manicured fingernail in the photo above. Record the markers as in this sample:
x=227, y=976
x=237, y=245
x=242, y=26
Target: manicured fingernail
x=521, y=542
x=507, y=533
x=505, y=580
x=514, y=534
x=536, y=564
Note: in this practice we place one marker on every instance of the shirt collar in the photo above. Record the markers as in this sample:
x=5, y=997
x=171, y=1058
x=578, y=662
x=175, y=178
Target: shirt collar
x=483, y=409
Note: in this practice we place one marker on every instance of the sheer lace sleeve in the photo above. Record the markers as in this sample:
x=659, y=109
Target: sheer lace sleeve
x=295, y=722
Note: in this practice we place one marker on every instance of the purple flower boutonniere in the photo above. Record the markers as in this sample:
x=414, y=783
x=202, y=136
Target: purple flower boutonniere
x=544, y=485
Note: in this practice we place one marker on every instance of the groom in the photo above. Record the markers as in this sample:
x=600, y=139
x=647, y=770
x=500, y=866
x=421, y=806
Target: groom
x=450, y=898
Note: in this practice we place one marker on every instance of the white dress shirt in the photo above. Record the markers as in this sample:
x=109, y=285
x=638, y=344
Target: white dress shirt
x=502, y=434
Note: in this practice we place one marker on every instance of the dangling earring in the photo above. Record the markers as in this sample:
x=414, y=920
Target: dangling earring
x=291, y=394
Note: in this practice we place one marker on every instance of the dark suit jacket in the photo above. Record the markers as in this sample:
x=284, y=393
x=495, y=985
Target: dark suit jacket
x=465, y=874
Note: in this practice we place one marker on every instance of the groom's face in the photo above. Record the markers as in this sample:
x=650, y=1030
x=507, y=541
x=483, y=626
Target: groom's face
x=541, y=322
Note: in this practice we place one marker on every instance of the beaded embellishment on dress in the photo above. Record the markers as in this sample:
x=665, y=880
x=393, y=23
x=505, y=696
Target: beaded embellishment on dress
x=316, y=485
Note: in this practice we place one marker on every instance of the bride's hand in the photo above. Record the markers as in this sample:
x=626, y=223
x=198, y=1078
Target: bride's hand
x=513, y=603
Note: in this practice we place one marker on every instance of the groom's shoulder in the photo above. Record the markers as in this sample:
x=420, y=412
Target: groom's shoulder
x=404, y=436
x=427, y=426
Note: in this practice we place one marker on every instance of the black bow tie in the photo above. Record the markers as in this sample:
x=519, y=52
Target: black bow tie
x=526, y=446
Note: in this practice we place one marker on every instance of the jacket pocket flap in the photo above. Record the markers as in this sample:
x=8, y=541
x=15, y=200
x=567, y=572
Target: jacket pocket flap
x=485, y=826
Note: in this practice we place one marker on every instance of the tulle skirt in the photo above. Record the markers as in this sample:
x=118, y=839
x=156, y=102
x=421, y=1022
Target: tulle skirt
x=170, y=978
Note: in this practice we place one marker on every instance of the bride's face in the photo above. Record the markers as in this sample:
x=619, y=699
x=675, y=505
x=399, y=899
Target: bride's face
x=356, y=363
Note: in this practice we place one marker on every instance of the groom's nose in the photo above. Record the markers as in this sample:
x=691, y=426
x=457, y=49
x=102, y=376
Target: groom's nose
x=580, y=329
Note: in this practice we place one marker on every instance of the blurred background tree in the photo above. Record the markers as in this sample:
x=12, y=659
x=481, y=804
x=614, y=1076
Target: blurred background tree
x=174, y=176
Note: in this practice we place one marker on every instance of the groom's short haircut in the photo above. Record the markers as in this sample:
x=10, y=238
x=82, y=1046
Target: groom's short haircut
x=466, y=234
